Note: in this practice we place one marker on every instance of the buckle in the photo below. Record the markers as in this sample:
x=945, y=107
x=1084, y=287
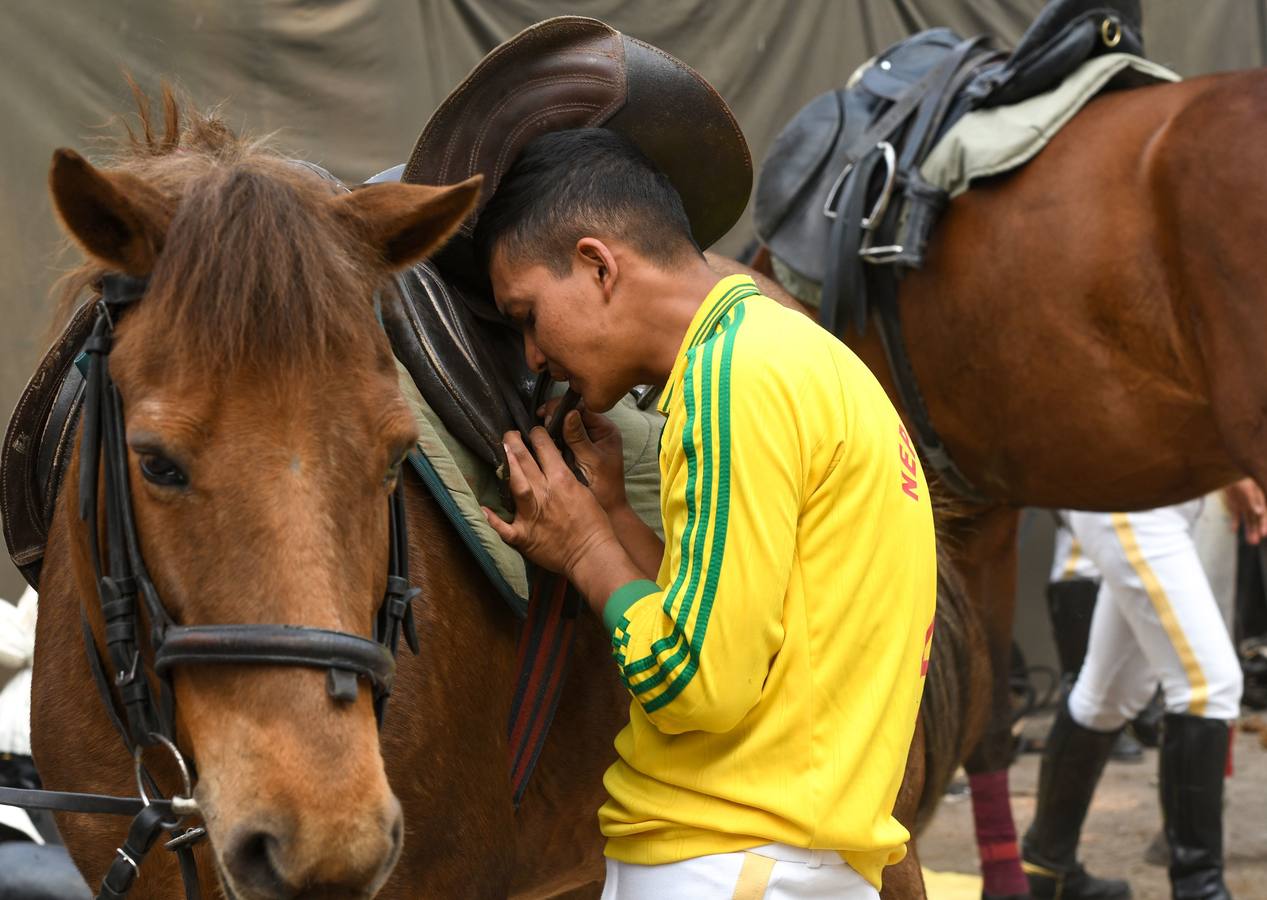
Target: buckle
x=880, y=255
x=122, y=678
x=886, y=190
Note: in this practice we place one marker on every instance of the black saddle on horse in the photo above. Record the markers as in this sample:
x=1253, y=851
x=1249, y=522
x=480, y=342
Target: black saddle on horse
x=841, y=188
x=841, y=201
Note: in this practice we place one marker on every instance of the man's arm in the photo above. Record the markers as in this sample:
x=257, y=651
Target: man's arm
x=641, y=543
x=696, y=649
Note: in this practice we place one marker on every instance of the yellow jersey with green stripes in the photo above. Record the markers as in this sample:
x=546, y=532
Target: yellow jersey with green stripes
x=777, y=661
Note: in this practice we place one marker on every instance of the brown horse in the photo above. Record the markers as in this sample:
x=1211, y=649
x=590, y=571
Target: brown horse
x=1087, y=331
x=255, y=367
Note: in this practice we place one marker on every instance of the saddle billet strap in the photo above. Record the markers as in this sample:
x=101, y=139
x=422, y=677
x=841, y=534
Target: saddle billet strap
x=933, y=108
x=545, y=646
x=932, y=450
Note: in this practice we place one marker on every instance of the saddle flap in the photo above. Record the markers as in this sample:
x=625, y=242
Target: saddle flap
x=470, y=372
x=793, y=170
x=802, y=175
x=38, y=445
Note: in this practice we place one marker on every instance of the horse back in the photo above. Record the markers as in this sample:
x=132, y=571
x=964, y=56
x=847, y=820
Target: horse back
x=1062, y=275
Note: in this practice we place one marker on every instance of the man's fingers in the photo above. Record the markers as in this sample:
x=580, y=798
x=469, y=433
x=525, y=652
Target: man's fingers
x=577, y=437
x=1256, y=524
x=505, y=530
x=601, y=429
x=524, y=475
x=551, y=462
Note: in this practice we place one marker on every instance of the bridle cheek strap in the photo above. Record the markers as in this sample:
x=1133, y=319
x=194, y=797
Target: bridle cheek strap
x=125, y=589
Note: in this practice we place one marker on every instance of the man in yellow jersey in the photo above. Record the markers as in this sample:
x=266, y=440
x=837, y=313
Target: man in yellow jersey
x=775, y=643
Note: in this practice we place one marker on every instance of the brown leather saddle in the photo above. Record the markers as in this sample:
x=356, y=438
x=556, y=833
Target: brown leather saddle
x=567, y=72
x=37, y=446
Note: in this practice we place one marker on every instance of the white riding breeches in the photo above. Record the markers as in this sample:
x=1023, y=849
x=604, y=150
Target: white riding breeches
x=1155, y=619
x=770, y=872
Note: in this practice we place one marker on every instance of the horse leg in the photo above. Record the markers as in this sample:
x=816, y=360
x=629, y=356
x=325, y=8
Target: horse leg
x=987, y=566
x=905, y=881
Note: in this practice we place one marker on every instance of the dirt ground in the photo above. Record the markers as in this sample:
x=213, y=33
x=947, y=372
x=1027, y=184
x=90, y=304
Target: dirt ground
x=1123, y=820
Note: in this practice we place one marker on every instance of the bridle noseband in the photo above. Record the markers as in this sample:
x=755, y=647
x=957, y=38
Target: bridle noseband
x=148, y=716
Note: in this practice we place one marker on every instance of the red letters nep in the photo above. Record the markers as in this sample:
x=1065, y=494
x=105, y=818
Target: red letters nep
x=906, y=453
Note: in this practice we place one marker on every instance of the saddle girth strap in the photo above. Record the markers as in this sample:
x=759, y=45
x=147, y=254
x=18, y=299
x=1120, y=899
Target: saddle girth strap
x=544, y=650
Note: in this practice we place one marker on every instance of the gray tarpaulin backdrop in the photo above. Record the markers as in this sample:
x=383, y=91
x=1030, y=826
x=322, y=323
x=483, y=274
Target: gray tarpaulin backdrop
x=350, y=83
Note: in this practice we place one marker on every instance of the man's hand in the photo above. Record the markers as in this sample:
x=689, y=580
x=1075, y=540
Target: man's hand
x=556, y=519
x=1245, y=502
x=595, y=442
x=558, y=524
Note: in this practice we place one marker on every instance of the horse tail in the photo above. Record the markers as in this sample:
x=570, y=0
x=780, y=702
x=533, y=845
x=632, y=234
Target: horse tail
x=956, y=692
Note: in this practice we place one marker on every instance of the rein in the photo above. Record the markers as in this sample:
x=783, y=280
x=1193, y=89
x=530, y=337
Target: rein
x=147, y=718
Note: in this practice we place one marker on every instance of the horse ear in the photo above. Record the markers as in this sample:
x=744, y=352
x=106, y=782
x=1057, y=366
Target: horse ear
x=402, y=223
x=116, y=217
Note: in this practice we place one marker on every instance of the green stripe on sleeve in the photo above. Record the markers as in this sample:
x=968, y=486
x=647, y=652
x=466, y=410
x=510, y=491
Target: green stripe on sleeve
x=721, y=524
x=623, y=598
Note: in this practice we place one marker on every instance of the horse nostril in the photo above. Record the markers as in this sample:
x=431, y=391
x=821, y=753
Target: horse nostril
x=251, y=860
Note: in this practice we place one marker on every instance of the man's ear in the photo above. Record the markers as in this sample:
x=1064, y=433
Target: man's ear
x=601, y=261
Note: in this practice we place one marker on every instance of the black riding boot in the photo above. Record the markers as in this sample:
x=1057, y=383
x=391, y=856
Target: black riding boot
x=1071, y=603
x=1072, y=763
x=1193, y=761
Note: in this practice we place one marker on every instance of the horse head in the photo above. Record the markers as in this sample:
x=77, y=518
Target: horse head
x=264, y=433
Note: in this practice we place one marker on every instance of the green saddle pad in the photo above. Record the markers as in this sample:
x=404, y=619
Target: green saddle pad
x=998, y=139
x=461, y=482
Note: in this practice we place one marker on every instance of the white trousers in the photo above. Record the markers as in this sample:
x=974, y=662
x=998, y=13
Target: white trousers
x=770, y=872
x=1155, y=619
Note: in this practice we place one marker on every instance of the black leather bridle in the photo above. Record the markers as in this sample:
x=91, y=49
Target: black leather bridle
x=124, y=588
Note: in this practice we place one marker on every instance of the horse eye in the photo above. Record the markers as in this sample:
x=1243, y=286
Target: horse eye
x=160, y=470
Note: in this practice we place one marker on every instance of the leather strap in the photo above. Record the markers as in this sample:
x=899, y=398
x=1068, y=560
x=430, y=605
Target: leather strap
x=125, y=869
x=851, y=280
x=69, y=801
x=932, y=450
x=281, y=645
x=544, y=649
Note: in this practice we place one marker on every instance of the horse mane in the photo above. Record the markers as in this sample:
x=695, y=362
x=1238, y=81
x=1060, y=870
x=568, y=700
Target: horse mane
x=254, y=268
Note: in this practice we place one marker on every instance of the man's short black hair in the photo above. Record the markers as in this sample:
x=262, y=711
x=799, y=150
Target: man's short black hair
x=587, y=181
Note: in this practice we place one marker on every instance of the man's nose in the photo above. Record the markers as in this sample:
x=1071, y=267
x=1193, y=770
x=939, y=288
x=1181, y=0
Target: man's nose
x=533, y=356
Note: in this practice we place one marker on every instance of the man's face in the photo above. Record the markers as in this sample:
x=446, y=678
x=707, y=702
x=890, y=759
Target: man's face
x=568, y=325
